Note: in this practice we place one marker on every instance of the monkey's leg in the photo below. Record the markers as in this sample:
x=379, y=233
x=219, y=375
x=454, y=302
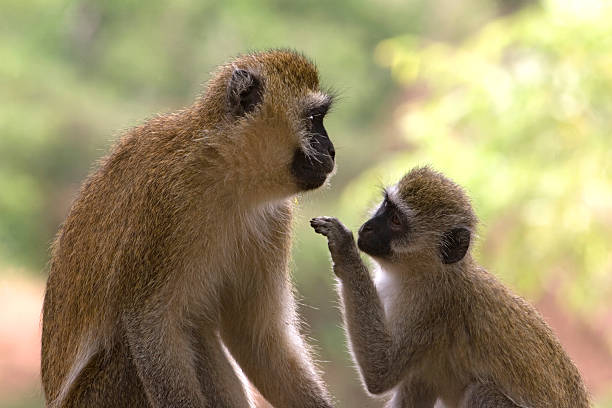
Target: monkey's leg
x=479, y=395
x=272, y=354
x=163, y=356
x=108, y=380
x=219, y=381
x=412, y=394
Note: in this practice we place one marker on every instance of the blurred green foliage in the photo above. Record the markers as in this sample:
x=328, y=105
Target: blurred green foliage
x=74, y=73
x=518, y=112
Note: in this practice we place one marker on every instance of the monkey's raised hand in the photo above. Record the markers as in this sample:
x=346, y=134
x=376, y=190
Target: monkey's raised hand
x=340, y=240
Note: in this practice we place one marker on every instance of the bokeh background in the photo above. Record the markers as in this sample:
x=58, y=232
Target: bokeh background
x=512, y=99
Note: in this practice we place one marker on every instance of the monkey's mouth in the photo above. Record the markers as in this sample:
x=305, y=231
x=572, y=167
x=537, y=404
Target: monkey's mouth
x=312, y=182
x=311, y=172
x=373, y=247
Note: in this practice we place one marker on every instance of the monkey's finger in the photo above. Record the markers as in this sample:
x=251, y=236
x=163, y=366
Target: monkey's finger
x=319, y=222
x=335, y=223
x=330, y=220
x=320, y=228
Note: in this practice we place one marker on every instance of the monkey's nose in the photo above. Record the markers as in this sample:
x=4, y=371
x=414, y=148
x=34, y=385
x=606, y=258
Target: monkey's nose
x=365, y=229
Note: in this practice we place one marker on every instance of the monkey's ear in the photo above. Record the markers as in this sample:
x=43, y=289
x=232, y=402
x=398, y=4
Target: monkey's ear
x=454, y=245
x=244, y=92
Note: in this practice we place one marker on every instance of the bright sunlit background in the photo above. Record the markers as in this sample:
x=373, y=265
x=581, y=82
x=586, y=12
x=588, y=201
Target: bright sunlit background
x=512, y=99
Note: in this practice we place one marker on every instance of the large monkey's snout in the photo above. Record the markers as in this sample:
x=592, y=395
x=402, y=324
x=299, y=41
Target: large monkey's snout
x=314, y=159
x=311, y=170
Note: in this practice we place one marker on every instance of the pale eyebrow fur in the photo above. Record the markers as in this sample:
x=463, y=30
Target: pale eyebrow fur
x=318, y=99
x=391, y=194
x=374, y=209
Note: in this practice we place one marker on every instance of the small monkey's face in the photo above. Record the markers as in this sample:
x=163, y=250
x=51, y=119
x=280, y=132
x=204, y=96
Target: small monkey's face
x=389, y=224
x=425, y=214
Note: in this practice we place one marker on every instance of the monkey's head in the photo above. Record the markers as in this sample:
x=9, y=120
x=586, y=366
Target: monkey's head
x=272, y=107
x=425, y=214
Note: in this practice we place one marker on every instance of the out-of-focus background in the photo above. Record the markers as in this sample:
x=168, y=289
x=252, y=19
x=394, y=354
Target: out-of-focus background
x=512, y=99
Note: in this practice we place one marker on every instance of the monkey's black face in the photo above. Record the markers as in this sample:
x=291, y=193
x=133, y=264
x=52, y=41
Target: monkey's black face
x=311, y=169
x=387, y=224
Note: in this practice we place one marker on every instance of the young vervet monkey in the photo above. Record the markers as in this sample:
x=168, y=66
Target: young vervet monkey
x=436, y=325
x=177, y=250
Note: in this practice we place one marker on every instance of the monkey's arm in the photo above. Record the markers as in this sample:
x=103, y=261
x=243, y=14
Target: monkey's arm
x=382, y=358
x=267, y=345
x=162, y=357
x=382, y=361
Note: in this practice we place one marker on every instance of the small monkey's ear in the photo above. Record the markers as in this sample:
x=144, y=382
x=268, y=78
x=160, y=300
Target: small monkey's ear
x=454, y=245
x=244, y=92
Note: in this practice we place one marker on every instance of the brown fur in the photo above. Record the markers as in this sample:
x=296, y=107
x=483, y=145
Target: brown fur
x=426, y=330
x=177, y=246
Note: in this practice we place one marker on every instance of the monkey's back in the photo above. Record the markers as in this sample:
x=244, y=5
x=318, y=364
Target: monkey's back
x=127, y=234
x=113, y=247
x=510, y=345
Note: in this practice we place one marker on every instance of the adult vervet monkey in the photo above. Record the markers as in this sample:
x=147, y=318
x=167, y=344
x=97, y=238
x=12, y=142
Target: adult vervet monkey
x=178, y=245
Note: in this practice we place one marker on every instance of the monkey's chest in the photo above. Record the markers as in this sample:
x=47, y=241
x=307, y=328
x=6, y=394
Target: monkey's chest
x=388, y=288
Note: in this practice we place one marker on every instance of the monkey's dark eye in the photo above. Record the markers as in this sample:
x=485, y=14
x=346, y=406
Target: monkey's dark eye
x=395, y=219
x=315, y=117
